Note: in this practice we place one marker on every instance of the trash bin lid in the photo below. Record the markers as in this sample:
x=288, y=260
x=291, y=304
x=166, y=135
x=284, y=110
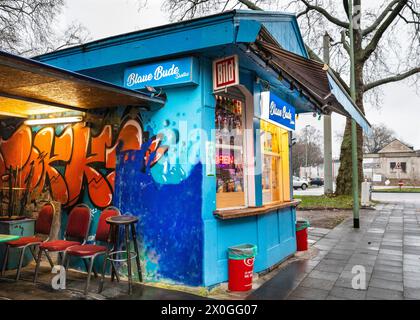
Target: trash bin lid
x=243, y=251
x=302, y=224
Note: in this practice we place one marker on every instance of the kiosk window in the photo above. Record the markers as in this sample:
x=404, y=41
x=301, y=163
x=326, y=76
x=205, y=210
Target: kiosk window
x=230, y=182
x=275, y=163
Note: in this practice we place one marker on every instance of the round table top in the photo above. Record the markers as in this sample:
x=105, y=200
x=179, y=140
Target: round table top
x=8, y=237
x=123, y=219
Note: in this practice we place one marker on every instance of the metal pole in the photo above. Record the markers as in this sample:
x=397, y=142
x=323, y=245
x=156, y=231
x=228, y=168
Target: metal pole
x=355, y=171
x=306, y=151
x=328, y=171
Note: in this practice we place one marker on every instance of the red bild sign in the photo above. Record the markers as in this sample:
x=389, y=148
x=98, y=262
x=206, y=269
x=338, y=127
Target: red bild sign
x=225, y=72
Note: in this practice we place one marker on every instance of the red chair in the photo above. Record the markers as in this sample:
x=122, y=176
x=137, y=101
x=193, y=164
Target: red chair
x=42, y=228
x=91, y=251
x=76, y=233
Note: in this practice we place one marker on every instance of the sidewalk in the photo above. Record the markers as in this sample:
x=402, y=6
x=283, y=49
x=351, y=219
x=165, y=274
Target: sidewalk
x=387, y=245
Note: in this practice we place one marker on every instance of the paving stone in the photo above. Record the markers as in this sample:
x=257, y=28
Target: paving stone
x=329, y=267
x=335, y=256
x=348, y=294
x=412, y=293
x=344, y=282
x=332, y=276
x=383, y=294
x=389, y=263
x=411, y=268
x=317, y=283
x=386, y=284
x=387, y=275
x=390, y=257
x=392, y=269
x=309, y=293
x=411, y=283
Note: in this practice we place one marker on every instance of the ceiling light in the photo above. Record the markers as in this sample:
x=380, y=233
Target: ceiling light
x=45, y=121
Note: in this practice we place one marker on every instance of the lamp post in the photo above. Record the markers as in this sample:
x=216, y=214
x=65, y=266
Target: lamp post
x=355, y=170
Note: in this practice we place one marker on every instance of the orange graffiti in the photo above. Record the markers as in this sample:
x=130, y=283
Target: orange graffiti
x=72, y=161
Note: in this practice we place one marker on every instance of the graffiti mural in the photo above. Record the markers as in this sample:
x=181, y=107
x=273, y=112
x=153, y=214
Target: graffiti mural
x=71, y=160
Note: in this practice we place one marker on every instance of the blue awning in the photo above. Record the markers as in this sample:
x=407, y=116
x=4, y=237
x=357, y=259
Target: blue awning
x=311, y=78
x=347, y=103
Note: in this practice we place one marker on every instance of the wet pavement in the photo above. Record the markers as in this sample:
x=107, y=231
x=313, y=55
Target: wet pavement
x=386, y=248
x=25, y=289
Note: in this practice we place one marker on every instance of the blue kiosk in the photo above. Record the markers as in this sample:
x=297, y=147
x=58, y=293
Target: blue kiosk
x=211, y=168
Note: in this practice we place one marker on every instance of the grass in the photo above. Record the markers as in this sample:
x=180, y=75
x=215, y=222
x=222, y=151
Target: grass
x=402, y=190
x=325, y=202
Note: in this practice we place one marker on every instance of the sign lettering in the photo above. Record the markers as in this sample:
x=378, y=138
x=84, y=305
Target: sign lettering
x=277, y=111
x=225, y=73
x=174, y=72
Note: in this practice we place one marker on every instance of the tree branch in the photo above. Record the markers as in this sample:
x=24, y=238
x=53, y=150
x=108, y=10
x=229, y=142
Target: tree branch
x=250, y=5
x=371, y=47
x=325, y=13
x=380, y=18
x=395, y=78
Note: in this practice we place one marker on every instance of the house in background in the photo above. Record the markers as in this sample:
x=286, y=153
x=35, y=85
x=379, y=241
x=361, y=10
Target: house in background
x=396, y=161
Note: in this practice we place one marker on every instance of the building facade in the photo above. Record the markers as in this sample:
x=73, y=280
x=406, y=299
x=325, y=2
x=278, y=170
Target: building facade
x=396, y=161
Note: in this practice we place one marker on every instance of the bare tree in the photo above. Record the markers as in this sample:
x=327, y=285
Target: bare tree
x=387, y=47
x=307, y=151
x=29, y=27
x=380, y=136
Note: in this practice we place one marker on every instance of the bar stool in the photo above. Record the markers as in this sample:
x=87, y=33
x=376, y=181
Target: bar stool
x=127, y=222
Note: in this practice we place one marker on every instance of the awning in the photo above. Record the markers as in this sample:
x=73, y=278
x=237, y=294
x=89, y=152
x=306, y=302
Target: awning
x=316, y=78
x=28, y=87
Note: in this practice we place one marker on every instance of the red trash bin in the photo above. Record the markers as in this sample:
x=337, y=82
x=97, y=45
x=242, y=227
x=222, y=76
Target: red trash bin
x=241, y=267
x=302, y=235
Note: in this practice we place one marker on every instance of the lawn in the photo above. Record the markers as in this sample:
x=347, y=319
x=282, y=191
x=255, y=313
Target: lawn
x=402, y=190
x=325, y=202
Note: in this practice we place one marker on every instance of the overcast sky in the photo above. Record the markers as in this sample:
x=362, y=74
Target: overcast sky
x=401, y=105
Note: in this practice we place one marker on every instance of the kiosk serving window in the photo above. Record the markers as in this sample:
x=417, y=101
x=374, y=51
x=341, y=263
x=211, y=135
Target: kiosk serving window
x=230, y=185
x=275, y=163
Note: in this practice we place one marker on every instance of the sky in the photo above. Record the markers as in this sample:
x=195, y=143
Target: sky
x=400, y=108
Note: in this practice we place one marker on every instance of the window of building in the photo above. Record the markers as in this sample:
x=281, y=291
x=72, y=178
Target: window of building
x=230, y=182
x=275, y=163
x=398, y=166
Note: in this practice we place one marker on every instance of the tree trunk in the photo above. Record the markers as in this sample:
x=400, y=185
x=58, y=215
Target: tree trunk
x=344, y=178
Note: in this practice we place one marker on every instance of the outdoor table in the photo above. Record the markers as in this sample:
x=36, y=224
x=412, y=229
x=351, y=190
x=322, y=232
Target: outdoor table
x=8, y=237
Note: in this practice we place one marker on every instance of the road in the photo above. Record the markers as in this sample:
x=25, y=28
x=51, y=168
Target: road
x=312, y=191
x=396, y=197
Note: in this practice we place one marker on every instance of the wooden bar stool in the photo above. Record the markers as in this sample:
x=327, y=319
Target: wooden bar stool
x=127, y=222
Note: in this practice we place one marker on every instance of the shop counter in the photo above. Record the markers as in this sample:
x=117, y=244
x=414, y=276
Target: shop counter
x=254, y=211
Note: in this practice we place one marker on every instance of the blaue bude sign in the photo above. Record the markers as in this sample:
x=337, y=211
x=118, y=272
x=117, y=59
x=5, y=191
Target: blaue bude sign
x=277, y=111
x=181, y=71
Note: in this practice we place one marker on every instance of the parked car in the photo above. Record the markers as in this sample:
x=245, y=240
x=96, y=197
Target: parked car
x=300, y=183
x=317, y=182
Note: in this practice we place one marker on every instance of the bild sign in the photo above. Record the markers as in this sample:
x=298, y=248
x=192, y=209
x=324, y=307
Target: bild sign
x=181, y=71
x=277, y=111
x=225, y=73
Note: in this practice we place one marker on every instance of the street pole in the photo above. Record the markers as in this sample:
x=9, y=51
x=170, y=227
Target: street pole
x=355, y=171
x=306, y=151
x=328, y=173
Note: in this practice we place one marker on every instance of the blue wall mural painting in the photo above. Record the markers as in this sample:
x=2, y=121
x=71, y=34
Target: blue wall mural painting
x=170, y=218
